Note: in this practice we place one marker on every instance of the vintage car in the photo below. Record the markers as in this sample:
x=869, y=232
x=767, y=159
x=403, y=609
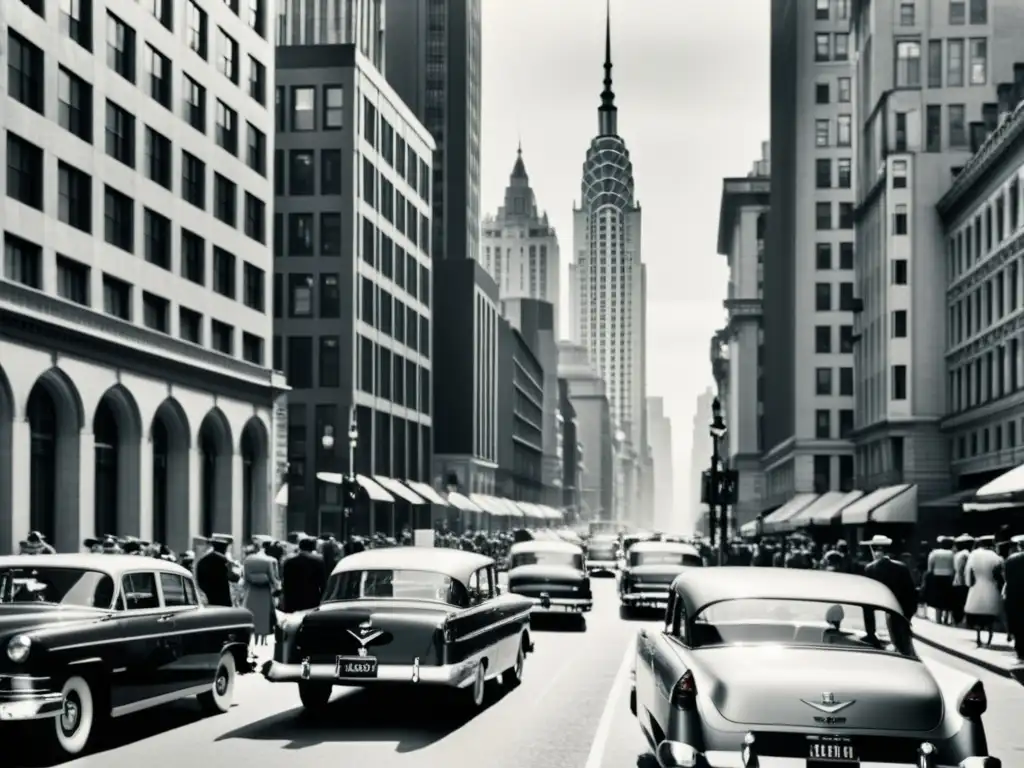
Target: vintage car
x=798, y=668
x=550, y=574
x=603, y=555
x=648, y=572
x=414, y=616
x=90, y=637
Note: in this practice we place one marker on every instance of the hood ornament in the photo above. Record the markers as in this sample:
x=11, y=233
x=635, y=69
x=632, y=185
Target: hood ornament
x=828, y=704
x=366, y=627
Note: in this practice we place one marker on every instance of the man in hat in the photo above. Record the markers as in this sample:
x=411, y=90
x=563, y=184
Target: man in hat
x=962, y=545
x=893, y=573
x=303, y=578
x=36, y=544
x=837, y=558
x=1013, y=594
x=215, y=572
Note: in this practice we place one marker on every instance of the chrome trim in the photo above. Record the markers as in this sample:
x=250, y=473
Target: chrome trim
x=155, y=635
x=449, y=675
x=156, y=701
x=42, y=706
x=560, y=604
x=483, y=630
x=90, y=660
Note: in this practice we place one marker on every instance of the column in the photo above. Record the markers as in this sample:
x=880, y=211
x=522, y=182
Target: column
x=182, y=505
x=144, y=489
x=76, y=484
x=195, y=496
x=235, y=501
x=130, y=500
x=16, y=476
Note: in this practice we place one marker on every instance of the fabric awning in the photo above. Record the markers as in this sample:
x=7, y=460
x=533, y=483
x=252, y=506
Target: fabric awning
x=833, y=512
x=550, y=512
x=462, y=503
x=508, y=508
x=953, y=501
x=428, y=493
x=281, y=499
x=399, y=489
x=488, y=504
x=862, y=510
x=749, y=528
x=901, y=508
x=804, y=517
x=777, y=521
x=530, y=510
x=1004, y=492
x=373, y=490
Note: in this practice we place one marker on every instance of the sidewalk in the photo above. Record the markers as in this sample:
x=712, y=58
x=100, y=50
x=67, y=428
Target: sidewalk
x=960, y=642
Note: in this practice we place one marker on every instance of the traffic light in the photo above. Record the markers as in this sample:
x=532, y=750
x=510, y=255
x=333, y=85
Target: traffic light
x=349, y=492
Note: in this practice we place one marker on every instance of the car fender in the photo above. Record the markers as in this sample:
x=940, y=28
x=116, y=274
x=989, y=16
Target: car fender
x=953, y=683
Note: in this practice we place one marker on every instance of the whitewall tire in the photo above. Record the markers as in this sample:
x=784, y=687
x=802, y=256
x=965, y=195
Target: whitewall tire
x=74, y=726
x=219, y=698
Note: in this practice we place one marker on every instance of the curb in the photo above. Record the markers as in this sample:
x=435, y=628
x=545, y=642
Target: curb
x=995, y=669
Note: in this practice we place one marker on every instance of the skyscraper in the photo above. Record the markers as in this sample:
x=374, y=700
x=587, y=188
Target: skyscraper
x=700, y=460
x=667, y=517
x=607, y=278
x=334, y=22
x=520, y=247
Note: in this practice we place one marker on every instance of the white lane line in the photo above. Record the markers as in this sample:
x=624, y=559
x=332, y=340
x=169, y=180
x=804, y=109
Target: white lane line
x=604, y=725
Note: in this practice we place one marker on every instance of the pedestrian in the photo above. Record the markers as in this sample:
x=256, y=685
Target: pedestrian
x=938, y=580
x=1013, y=595
x=215, y=572
x=984, y=599
x=893, y=573
x=262, y=581
x=963, y=544
x=330, y=550
x=303, y=578
x=36, y=544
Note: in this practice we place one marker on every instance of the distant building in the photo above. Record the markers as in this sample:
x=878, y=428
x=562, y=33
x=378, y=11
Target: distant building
x=334, y=22
x=570, y=453
x=666, y=516
x=700, y=460
x=520, y=416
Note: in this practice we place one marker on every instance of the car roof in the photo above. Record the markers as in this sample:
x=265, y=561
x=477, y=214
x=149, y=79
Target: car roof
x=605, y=537
x=664, y=546
x=456, y=563
x=554, y=545
x=114, y=565
x=700, y=587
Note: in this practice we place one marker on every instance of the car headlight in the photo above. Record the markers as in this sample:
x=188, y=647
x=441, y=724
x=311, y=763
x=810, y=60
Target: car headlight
x=18, y=648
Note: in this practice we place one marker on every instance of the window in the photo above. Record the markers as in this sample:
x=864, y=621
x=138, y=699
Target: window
x=222, y=337
x=74, y=107
x=822, y=474
x=846, y=216
x=843, y=88
x=280, y=109
x=846, y=339
x=957, y=12
x=845, y=423
x=846, y=299
x=300, y=362
x=193, y=180
x=908, y=64
x=844, y=173
x=369, y=122
x=821, y=8
x=23, y=261
x=823, y=424
x=72, y=280
x=907, y=14
x=300, y=295
x=979, y=61
x=899, y=219
x=899, y=174
x=76, y=22
x=955, y=63
x=846, y=381
x=899, y=271
x=933, y=128
x=257, y=81
x=223, y=272
x=120, y=134
x=155, y=312
x=846, y=255
x=193, y=97
x=934, y=63
x=120, y=47
x=225, y=203
x=256, y=149
x=823, y=297
x=190, y=325
x=304, y=109
x=156, y=238
x=300, y=234
x=979, y=12
x=178, y=591
x=823, y=256
x=140, y=591
x=842, y=46
x=226, y=129
x=823, y=216
x=118, y=219
x=369, y=182
x=957, y=114
x=823, y=339
x=257, y=18
x=899, y=324
x=255, y=218
x=24, y=171
x=823, y=381
x=334, y=110
x=252, y=348
x=163, y=11
x=821, y=133
x=117, y=298
x=196, y=28
x=899, y=382
x=330, y=171
x=821, y=93
x=193, y=257
x=158, y=158
x=823, y=173
x=279, y=172
x=822, y=46
x=302, y=176
x=158, y=77
x=330, y=297
x=330, y=362
x=253, y=287
x=227, y=55
x=330, y=234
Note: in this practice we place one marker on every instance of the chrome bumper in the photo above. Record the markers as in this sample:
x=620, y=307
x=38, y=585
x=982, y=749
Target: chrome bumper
x=560, y=604
x=36, y=706
x=449, y=675
x=599, y=566
x=645, y=599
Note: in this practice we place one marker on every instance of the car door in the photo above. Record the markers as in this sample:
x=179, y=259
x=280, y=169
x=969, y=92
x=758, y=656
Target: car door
x=197, y=649
x=477, y=624
x=136, y=658
x=643, y=679
x=666, y=664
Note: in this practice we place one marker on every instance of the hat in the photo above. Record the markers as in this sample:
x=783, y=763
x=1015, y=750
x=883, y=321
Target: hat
x=941, y=540
x=110, y=543
x=1018, y=539
x=964, y=538
x=878, y=540
x=988, y=538
x=35, y=536
x=841, y=543
x=221, y=538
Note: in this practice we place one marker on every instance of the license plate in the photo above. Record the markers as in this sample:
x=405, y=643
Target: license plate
x=831, y=752
x=355, y=666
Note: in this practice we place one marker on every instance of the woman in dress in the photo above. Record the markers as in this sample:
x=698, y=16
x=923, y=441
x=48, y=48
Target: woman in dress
x=938, y=580
x=984, y=601
x=262, y=581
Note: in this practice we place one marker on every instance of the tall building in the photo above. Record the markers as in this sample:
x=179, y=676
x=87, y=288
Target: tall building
x=334, y=22
x=571, y=454
x=607, y=277
x=433, y=61
x=136, y=395
x=667, y=517
x=742, y=223
x=353, y=279
x=520, y=247
x=925, y=90
x=520, y=411
x=696, y=515
x=809, y=294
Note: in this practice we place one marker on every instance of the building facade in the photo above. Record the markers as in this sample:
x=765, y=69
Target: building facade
x=667, y=517
x=469, y=322
x=809, y=292
x=520, y=417
x=136, y=395
x=520, y=247
x=334, y=22
x=921, y=82
x=696, y=516
x=742, y=225
x=571, y=454
x=353, y=277
x=433, y=61
x=595, y=433
x=608, y=290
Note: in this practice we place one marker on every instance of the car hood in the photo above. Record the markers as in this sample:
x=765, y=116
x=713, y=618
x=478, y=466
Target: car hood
x=658, y=574
x=546, y=574
x=772, y=686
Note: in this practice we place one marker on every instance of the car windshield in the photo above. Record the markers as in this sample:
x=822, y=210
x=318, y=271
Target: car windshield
x=664, y=558
x=77, y=587
x=395, y=584
x=572, y=559
x=795, y=622
x=603, y=545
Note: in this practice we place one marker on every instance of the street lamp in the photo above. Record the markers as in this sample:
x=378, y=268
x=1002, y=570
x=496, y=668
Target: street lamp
x=716, y=500
x=349, y=484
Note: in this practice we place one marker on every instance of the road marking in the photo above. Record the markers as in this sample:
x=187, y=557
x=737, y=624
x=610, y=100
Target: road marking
x=604, y=725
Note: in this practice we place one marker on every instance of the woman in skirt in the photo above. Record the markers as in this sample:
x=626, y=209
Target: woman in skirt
x=984, y=599
x=938, y=580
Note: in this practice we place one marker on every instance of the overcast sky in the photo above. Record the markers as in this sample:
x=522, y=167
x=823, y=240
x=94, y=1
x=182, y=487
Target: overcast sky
x=691, y=84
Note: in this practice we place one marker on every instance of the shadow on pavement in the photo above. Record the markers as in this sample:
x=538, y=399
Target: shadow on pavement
x=558, y=622
x=362, y=715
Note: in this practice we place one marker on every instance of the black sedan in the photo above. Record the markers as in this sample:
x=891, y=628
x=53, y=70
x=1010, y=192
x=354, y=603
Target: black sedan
x=603, y=552
x=551, y=575
x=92, y=637
x=650, y=568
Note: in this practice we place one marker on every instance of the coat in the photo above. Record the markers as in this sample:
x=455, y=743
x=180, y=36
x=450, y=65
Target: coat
x=983, y=598
x=303, y=577
x=1013, y=591
x=214, y=574
x=259, y=574
x=897, y=577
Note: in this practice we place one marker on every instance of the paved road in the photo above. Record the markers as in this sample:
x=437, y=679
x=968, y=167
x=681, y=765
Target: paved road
x=570, y=712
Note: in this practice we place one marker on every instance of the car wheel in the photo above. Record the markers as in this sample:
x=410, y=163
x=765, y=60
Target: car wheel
x=75, y=726
x=632, y=701
x=513, y=676
x=217, y=700
x=477, y=692
x=314, y=696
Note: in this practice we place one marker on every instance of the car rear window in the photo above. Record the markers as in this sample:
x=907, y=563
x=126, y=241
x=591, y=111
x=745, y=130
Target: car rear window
x=547, y=558
x=664, y=558
x=396, y=584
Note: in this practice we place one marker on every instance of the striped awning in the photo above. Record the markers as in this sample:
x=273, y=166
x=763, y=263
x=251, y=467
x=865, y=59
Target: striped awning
x=804, y=517
x=375, y=491
x=488, y=504
x=399, y=489
x=875, y=506
x=826, y=515
x=428, y=493
x=777, y=521
x=508, y=508
x=1004, y=492
x=462, y=503
x=952, y=501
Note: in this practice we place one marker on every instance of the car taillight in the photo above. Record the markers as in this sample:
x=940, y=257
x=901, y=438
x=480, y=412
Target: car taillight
x=684, y=694
x=975, y=702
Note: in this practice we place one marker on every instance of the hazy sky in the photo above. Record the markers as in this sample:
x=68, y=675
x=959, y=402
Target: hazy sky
x=691, y=84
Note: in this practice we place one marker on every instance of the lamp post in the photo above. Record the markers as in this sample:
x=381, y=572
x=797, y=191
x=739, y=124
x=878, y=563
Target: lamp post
x=716, y=502
x=349, y=484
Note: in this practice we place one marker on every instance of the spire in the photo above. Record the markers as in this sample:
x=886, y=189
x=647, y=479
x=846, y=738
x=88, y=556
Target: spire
x=519, y=169
x=607, y=113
